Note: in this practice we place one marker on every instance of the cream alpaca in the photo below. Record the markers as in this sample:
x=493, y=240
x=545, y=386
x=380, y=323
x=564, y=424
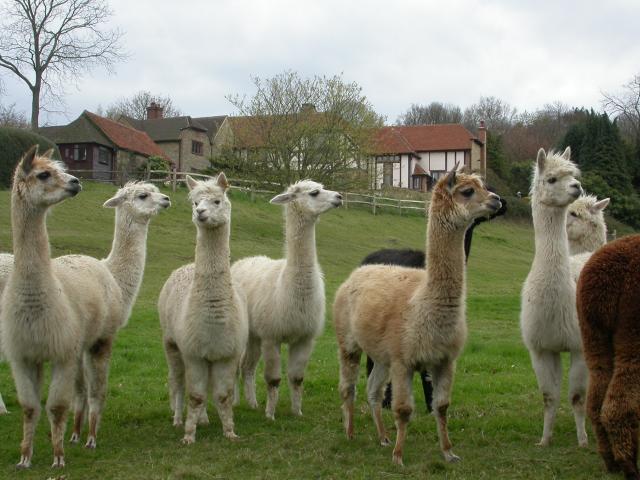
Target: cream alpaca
x=135, y=205
x=6, y=265
x=53, y=310
x=548, y=315
x=285, y=297
x=407, y=319
x=203, y=316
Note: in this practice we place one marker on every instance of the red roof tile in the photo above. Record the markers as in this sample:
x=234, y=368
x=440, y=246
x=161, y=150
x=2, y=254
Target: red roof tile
x=125, y=137
x=422, y=138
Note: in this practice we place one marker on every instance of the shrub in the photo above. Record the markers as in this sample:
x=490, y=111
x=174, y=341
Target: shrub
x=13, y=143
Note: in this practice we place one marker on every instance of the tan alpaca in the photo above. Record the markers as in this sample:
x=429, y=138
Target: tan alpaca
x=53, y=310
x=203, y=316
x=407, y=319
x=135, y=204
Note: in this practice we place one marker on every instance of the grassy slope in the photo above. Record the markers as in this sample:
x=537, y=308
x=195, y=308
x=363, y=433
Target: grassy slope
x=496, y=414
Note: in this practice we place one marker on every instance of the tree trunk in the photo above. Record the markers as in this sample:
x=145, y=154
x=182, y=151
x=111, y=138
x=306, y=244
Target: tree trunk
x=35, y=105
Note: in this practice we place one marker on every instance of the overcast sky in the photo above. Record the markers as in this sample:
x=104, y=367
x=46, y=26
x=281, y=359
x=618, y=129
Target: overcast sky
x=527, y=53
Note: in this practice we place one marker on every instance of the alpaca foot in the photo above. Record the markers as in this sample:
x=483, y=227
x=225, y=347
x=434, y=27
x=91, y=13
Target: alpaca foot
x=188, y=439
x=75, y=438
x=397, y=459
x=177, y=422
x=450, y=457
x=3, y=410
x=91, y=443
x=25, y=462
x=231, y=435
x=58, y=462
x=385, y=442
x=583, y=443
x=297, y=412
x=610, y=462
x=271, y=416
x=544, y=442
x=253, y=404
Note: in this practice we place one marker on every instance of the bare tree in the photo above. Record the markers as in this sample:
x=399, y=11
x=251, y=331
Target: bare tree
x=136, y=105
x=293, y=128
x=497, y=114
x=49, y=43
x=10, y=117
x=625, y=107
x=430, y=114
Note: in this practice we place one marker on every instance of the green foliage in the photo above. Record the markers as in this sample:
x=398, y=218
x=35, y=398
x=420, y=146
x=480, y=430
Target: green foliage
x=14, y=142
x=496, y=156
x=154, y=162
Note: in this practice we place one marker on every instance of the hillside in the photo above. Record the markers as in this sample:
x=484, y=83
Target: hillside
x=496, y=412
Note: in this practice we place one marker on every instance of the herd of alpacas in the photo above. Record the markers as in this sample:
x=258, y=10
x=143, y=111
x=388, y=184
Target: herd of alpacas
x=218, y=319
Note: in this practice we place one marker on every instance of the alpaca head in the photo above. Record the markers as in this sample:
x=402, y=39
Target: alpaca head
x=459, y=198
x=585, y=217
x=211, y=207
x=139, y=200
x=42, y=182
x=554, y=181
x=308, y=198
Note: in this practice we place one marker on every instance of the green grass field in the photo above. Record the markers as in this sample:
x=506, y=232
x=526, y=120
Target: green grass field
x=496, y=412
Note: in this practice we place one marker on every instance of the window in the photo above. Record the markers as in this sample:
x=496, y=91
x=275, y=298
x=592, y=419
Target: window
x=79, y=153
x=103, y=156
x=417, y=183
x=387, y=174
x=196, y=147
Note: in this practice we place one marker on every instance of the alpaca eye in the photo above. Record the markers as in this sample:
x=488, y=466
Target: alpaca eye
x=195, y=204
x=142, y=196
x=552, y=180
x=315, y=193
x=217, y=202
x=43, y=175
x=467, y=193
x=574, y=214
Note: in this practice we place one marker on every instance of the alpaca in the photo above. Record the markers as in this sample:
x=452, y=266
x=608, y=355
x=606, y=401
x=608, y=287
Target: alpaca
x=608, y=313
x=203, y=316
x=416, y=259
x=135, y=204
x=586, y=228
x=407, y=319
x=548, y=315
x=6, y=264
x=285, y=297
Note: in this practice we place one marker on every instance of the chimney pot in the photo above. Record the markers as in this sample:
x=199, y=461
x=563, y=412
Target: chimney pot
x=154, y=111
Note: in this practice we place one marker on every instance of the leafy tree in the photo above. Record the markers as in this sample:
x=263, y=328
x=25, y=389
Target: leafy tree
x=294, y=127
x=136, y=105
x=49, y=43
x=433, y=113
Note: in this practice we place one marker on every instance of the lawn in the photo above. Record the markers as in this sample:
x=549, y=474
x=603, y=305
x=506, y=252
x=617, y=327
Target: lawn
x=496, y=411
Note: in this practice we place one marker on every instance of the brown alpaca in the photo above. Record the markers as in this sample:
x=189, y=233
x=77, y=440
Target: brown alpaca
x=407, y=319
x=609, y=315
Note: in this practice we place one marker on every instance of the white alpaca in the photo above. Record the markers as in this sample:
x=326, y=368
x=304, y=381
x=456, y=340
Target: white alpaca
x=135, y=205
x=6, y=265
x=586, y=229
x=548, y=315
x=285, y=297
x=203, y=316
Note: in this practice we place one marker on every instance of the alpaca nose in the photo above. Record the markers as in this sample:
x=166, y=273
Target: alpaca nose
x=200, y=211
x=339, y=196
x=74, y=180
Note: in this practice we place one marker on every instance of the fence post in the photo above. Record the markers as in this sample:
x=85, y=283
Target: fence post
x=252, y=193
x=400, y=206
x=374, y=205
x=346, y=200
x=174, y=180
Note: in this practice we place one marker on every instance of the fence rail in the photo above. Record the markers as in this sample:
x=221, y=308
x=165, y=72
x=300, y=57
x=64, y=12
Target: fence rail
x=173, y=179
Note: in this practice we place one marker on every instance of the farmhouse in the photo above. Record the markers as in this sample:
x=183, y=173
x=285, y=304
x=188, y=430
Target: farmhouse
x=415, y=157
x=99, y=147
x=187, y=141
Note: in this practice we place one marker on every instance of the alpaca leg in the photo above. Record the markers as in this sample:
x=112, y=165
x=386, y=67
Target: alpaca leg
x=375, y=390
x=28, y=380
x=79, y=402
x=620, y=417
x=299, y=354
x=197, y=377
x=97, y=378
x=3, y=407
x=427, y=388
x=224, y=380
x=249, y=365
x=176, y=380
x=59, y=399
x=578, y=377
x=349, y=367
x=443, y=383
x=271, y=354
x=402, y=405
x=548, y=368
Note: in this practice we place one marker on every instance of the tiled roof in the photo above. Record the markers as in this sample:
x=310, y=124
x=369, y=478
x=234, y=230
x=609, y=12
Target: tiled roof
x=125, y=137
x=423, y=138
x=168, y=129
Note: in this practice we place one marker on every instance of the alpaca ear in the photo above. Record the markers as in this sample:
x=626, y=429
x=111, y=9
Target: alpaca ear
x=191, y=182
x=451, y=179
x=282, y=198
x=113, y=202
x=48, y=153
x=461, y=167
x=222, y=181
x=599, y=206
x=567, y=153
x=27, y=160
x=541, y=159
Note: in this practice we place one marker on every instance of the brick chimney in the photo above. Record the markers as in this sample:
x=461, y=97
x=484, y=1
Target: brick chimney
x=482, y=136
x=154, y=111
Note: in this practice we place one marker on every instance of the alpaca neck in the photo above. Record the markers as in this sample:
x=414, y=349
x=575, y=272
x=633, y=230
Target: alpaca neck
x=212, y=274
x=588, y=243
x=128, y=254
x=444, y=283
x=551, y=241
x=300, y=241
x=32, y=256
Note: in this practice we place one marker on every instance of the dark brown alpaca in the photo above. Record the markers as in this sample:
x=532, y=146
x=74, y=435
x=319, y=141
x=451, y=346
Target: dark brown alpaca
x=608, y=295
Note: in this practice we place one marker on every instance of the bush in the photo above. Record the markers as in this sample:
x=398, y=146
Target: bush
x=14, y=142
